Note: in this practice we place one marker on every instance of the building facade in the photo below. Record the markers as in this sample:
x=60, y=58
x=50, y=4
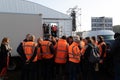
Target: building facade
x=101, y=23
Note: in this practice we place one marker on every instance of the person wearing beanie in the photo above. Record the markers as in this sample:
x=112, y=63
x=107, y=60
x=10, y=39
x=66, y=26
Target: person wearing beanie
x=116, y=35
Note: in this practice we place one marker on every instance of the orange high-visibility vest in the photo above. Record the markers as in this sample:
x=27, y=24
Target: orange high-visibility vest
x=46, y=54
x=62, y=51
x=82, y=44
x=74, y=53
x=100, y=48
x=39, y=54
x=29, y=48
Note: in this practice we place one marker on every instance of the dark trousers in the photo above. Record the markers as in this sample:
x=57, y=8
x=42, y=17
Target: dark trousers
x=88, y=71
x=60, y=71
x=39, y=70
x=29, y=71
x=117, y=70
x=48, y=69
x=73, y=67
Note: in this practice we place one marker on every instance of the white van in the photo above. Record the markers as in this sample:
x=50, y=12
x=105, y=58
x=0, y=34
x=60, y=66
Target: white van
x=107, y=34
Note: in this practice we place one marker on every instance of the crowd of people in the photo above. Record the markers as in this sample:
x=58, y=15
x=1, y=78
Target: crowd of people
x=65, y=58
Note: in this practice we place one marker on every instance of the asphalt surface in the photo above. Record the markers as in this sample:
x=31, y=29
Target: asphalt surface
x=15, y=75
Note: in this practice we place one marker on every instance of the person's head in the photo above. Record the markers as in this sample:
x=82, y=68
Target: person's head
x=76, y=39
x=117, y=35
x=63, y=37
x=100, y=38
x=93, y=38
x=70, y=39
x=5, y=40
x=39, y=40
x=27, y=37
x=88, y=40
x=32, y=38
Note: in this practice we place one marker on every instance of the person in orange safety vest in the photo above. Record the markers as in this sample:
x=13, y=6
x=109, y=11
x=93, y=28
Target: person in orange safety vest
x=82, y=46
x=74, y=58
x=28, y=51
x=102, y=47
x=39, y=58
x=61, y=51
x=74, y=52
x=61, y=57
x=47, y=49
x=29, y=48
x=39, y=53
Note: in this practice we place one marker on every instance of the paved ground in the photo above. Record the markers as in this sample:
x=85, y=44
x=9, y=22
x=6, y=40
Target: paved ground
x=15, y=75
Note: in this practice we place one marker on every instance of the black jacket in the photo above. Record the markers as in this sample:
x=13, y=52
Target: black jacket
x=87, y=53
x=116, y=50
x=3, y=55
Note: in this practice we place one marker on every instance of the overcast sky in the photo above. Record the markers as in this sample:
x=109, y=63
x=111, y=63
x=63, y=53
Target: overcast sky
x=89, y=8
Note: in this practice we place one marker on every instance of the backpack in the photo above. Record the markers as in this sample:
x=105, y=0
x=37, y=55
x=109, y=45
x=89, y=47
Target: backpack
x=94, y=54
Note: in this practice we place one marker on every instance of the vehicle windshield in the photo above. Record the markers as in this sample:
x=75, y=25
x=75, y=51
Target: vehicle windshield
x=108, y=37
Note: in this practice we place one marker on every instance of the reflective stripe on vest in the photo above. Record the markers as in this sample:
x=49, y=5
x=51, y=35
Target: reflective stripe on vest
x=62, y=51
x=29, y=48
x=46, y=45
x=46, y=54
x=74, y=53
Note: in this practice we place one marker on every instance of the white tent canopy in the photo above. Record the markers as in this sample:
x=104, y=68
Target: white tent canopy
x=23, y=6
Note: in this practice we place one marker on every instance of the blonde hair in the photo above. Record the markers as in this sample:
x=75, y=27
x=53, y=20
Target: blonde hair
x=39, y=39
x=28, y=36
x=32, y=38
x=5, y=40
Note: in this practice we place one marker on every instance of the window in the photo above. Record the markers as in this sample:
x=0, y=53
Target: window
x=108, y=37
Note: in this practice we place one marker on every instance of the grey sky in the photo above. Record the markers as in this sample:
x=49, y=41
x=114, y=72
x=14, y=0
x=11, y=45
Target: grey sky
x=89, y=8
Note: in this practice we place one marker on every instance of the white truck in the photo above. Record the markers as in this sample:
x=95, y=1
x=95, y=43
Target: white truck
x=15, y=26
